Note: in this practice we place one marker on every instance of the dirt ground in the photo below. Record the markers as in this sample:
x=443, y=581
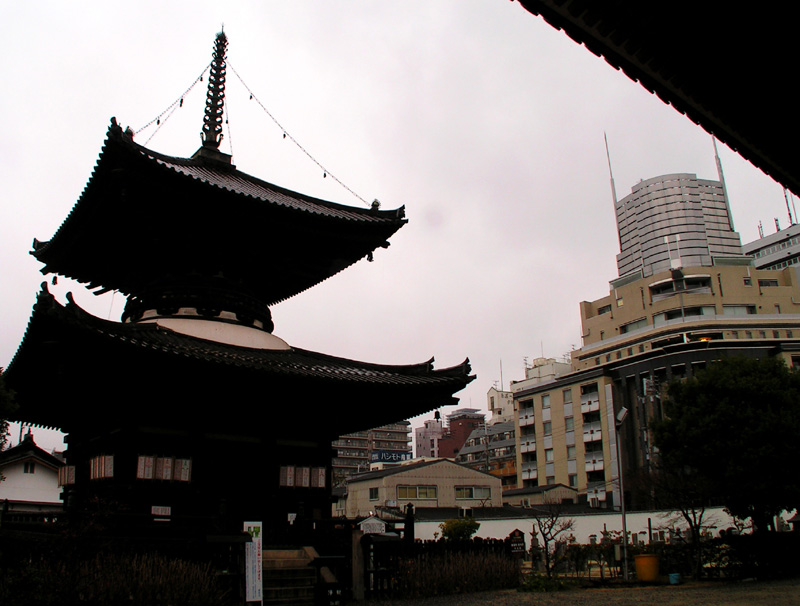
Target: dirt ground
x=775, y=593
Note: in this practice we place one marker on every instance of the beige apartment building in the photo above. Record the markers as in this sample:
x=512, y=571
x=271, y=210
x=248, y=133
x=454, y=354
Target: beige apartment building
x=719, y=303
x=437, y=483
x=645, y=333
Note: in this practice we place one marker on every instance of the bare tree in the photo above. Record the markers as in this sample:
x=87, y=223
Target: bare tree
x=551, y=529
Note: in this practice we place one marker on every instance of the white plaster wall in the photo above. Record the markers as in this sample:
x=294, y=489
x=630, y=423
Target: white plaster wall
x=588, y=524
x=42, y=485
x=223, y=332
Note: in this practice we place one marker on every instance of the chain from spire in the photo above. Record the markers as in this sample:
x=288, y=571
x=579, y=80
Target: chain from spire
x=215, y=98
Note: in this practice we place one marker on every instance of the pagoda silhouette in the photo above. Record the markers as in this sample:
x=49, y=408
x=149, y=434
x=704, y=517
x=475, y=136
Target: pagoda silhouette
x=190, y=416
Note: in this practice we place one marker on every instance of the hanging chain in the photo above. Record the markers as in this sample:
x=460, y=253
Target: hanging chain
x=172, y=107
x=286, y=135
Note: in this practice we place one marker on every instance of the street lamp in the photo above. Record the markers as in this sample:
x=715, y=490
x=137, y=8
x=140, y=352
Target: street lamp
x=621, y=415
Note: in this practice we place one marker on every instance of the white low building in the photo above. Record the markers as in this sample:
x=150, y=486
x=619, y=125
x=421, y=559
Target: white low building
x=30, y=484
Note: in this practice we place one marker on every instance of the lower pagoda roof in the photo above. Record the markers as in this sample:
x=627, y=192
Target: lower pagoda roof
x=145, y=218
x=116, y=372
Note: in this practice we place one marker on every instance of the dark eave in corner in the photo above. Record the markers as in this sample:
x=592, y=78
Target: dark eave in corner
x=729, y=70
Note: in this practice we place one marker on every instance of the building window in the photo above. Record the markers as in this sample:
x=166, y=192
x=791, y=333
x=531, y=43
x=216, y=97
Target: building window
x=164, y=466
x=631, y=326
x=763, y=283
x=738, y=310
x=567, y=396
x=101, y=467
x=473, y=492
x=569, y=424
x=550, y=480
x=549, y=457
x=29, y=467
x=776, y=334
x=571, y=452
x=603, y=310
x=548, y=428
x=748, y=282
x=416, y=492
x=145, y=469
x=373, y=494
x=66, y=475
x=546, y=400
x=789, y=334
x=685, y=312
x=573, y=480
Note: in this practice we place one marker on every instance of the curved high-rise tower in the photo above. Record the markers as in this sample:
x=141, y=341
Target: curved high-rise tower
x=674, y=221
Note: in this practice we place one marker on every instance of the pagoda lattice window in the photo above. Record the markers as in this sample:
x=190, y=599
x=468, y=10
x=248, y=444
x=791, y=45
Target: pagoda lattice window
x=101, y=467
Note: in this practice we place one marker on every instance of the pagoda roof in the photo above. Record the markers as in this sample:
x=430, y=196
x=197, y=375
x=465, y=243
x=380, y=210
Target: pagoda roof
x=67, y=350
x=145, y=216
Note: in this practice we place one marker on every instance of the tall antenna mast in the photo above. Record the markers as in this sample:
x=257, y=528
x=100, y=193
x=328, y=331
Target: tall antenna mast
x=788, y=209
x=613, y=187
x=722, y=181
x=610, y=174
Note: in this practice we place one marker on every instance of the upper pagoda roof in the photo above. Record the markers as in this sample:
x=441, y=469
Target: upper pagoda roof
x=123, y=370
x=145, y=216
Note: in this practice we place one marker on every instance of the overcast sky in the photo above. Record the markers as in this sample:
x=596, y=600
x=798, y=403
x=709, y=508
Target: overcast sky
x=486, y=123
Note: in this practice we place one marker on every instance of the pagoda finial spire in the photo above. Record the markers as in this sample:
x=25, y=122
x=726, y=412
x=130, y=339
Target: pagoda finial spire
x=215, y=98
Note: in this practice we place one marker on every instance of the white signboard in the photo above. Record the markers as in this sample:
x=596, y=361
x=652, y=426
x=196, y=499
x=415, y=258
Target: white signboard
x=252, y=563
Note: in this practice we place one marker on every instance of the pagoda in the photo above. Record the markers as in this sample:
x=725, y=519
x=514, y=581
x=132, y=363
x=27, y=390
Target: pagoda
x=190, y=415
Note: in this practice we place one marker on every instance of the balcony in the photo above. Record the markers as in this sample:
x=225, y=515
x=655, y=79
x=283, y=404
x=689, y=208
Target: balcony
x=598, y=493
x=529, y=471
x=592, y=433
x=592, y=405
x=594, y=464
x=526, y=417
x=527, y=445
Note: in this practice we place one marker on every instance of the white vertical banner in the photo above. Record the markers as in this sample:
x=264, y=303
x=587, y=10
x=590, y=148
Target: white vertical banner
x=253, y=566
